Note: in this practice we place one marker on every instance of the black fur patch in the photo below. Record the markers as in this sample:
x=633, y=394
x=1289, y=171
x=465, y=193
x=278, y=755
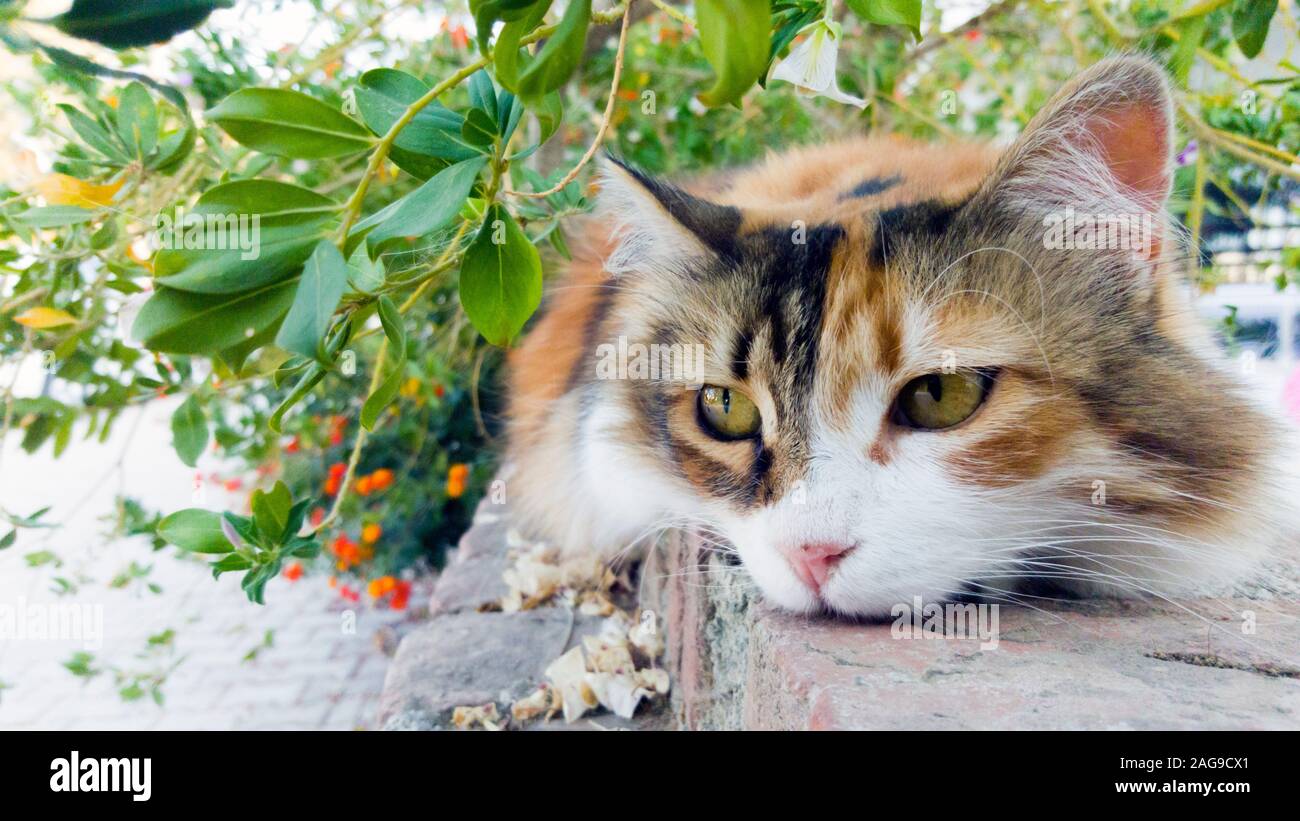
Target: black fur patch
x=928, y=218
x=871, y=186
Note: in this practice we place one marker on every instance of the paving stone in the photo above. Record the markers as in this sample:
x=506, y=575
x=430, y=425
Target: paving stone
x=467, y=659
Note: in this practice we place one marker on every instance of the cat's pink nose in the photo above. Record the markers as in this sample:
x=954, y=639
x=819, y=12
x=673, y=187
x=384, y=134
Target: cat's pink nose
x=814, y=561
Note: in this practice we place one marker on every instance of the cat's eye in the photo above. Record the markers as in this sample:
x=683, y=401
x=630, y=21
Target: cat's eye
x=942, y=400
x=728, y=414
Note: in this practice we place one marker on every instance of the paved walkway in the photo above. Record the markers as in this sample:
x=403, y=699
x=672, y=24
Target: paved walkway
x=301, y=661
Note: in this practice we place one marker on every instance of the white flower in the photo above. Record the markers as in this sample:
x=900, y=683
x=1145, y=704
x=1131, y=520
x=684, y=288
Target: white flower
x=811, y=64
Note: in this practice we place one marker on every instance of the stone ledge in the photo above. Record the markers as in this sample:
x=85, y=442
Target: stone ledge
x=464, y=657
x=738, y=664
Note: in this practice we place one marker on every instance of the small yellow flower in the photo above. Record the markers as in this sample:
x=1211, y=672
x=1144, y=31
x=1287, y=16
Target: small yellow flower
x=42, y=318
x=60, y=189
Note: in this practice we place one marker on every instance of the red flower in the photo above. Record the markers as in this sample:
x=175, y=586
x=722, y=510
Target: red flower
x=293, y=572
x=401, y=593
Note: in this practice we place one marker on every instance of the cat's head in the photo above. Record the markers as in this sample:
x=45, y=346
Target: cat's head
x=935, y=379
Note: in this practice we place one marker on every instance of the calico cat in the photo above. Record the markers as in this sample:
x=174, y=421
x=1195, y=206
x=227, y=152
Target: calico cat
x=920, y=374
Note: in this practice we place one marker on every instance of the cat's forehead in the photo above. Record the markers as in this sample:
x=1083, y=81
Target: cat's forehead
x=846, y=182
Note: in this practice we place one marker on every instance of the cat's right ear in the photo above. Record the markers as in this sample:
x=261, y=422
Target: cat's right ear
x=1103, y=141
x=658, y=228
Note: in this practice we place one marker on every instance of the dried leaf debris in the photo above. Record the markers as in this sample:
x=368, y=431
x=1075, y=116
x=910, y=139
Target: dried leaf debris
x=614, y=670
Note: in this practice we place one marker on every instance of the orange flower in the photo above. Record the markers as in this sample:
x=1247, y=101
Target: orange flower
x=338, y=469
x=381, y=479
x=457, y=475
x=364, y=486
x=347, y=551
x=331, y=486
x=371, y=533
x=382, y=586
x=293, y=446
x=293, y=572
x=459, y=37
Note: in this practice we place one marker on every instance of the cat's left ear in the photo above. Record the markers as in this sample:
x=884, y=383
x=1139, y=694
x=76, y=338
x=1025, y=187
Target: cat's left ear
x=1103, y=144
x=659, y=228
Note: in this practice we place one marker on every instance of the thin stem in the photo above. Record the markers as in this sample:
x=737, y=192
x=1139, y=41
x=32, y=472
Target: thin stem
x=375, y=378
x=1209, y=134
x=604, y=120
x=352, y=209
x=674, y=13
x=1196, y=213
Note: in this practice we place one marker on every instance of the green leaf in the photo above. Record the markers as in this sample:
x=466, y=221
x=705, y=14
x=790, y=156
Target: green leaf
x=383, y=395
x=195, y=530
x=482, y=93
x=430, y=140
x=394, y=328
x=94, y=134
x=479, y=129
x=8, y=539
x=310, y=379
x=321, y=286
x=271, y=511
x=180, y=322
x=137, y=120
x=229, y=563
x=558, y=58
x=254, y=582
x=173, y=149
x=500, y=278
x=53, y=216
x=386, y=392
x=139, y=23
x=734, y=36
x=1191, y=33
x=241, y=235
x=508, y=57
x=890, y=13
x=487, y=12
x=289, y=124
x=75, y=62
x=549, y=112
x=1250, y=20
x=429, y=207
x=189, y=430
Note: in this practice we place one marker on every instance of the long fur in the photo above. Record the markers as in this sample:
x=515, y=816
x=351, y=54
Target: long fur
x=1117, y=453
